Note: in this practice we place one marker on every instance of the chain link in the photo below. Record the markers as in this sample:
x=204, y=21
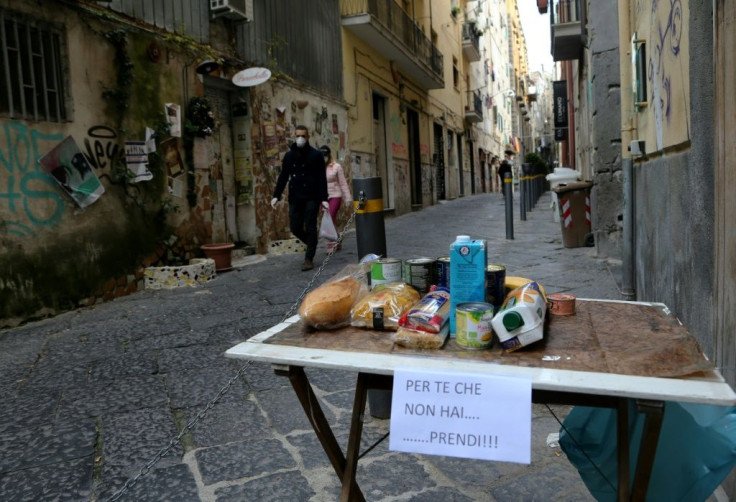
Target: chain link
x=189, y=426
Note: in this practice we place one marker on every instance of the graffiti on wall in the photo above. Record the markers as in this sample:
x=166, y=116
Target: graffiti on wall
x=667, y=72
x=28, y=197
x=397, y=146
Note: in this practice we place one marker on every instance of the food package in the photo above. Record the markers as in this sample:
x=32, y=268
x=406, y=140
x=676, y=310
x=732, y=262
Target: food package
x=328, y=306
x=383, y=307
x=418, y=339
x=431, y=313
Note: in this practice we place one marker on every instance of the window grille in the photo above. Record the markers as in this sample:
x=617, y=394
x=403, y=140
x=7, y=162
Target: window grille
x=31, y=83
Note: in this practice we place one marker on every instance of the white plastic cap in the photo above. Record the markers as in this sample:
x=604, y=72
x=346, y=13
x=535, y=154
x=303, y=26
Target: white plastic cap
x=463, y=238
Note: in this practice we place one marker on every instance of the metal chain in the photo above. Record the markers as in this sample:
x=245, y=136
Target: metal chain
x=189, y=426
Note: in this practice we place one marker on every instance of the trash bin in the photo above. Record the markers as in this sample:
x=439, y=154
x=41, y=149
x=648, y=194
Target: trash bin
x=559, y=176
x=574, y=211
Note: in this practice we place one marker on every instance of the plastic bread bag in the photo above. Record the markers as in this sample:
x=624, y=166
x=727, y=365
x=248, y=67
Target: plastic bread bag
x=418, y=339
x=328, y=306
x=431, y=313
x=382, y=308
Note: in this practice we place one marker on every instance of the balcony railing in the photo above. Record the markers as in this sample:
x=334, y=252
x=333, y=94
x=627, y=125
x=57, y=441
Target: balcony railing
x=386, y=27
x=474, y=110
x=567, y=29
x=471, y=42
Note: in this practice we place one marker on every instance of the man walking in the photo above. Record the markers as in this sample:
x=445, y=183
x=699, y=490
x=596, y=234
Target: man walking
x=304, y=168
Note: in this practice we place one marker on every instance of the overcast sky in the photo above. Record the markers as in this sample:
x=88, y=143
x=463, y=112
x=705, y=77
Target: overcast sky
x=536, y=32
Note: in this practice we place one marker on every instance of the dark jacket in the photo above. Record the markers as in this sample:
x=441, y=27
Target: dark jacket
x=504, y=168
x=304, y=169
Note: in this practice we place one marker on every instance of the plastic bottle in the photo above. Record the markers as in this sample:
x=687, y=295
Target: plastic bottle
x=520, y=320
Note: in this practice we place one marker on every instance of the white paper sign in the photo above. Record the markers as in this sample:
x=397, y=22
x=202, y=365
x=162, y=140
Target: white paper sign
x=467, y=415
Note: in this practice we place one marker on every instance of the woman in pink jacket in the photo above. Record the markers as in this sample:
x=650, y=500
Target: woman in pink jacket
x=337, y=187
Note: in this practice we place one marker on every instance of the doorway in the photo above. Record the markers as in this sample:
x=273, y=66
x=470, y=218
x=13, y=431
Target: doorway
x=438, y=159
x=461, y=189
x=415, y=159
x=380, y=151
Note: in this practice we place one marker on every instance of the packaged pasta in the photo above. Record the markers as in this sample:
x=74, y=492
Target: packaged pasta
x=431, y=313
x=418, y=339
x=381, y=308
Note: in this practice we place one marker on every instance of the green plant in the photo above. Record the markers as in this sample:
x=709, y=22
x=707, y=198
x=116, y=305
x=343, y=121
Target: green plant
x=537, y=162
x=455, y=11
x=199, y=123
x=119, y=96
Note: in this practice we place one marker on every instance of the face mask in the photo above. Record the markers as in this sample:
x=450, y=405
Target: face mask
x=301, y=141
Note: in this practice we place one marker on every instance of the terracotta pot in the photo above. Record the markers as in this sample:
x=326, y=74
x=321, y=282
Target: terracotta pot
x=221, y=253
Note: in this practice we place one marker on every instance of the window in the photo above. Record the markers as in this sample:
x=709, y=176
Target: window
x=31, y=83
x=455, y=74
x=638, y=62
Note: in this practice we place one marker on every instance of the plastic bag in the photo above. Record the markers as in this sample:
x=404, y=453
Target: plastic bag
x=327, y=228
x=328, y=306
x=381, y=308
x=696, y=449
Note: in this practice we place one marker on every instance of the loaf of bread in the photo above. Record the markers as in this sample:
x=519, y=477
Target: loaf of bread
x=328, y=306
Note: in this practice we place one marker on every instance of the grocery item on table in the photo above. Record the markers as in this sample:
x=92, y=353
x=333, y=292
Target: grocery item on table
x=495, y=281
x=442, y=271
x=418, y=339
x=382, y=307
x=328, y=306
x=474, y=325
x=561, y=304
x=520, y=321
x=467, y=273
x=385, y=270
x=431, y=313
x=512, y=282
x=419, y=273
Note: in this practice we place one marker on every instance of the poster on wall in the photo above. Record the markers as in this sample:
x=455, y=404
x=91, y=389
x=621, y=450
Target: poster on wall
x=173, y=118
x=67, y=164
x=136, y=160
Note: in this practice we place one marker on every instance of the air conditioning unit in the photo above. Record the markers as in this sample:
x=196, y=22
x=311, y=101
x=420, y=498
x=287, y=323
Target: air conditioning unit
x=237, y=10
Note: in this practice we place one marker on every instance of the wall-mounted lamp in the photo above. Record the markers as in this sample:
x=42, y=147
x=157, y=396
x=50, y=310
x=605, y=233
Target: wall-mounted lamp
x=206, y=67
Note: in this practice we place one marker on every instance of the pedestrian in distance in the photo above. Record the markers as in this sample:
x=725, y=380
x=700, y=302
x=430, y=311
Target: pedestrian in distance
x=303, y=167
x=337, y=189
x=505, y=167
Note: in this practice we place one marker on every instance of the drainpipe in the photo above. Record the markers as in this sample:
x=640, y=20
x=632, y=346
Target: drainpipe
x=628, y=266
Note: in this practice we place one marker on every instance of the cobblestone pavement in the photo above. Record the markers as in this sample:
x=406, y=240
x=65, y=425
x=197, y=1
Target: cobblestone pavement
x=91, y=396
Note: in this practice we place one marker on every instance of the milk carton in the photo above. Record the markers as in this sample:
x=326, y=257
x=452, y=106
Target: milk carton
x=467, y=273
x=520, y=320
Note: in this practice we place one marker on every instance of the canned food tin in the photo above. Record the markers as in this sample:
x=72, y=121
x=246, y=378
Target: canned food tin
x=473, y=325
x=385, y=270
x=442, y=271
x=561, y=304
x=495, y=279
x=418, y=273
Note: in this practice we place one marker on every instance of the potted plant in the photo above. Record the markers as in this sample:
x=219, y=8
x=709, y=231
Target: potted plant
x=454, y=12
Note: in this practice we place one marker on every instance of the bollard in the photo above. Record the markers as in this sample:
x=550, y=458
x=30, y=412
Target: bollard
x=370, y=234
x=508, y=192
x=523, y=196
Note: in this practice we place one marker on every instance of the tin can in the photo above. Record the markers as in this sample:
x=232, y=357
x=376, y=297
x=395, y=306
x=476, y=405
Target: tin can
x=385, y=270
x=418, y=273
x=473, y=325
x=561, y=304
x=442, y=271
x=495, y=279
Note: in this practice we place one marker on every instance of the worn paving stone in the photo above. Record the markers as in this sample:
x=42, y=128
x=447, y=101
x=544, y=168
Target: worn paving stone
x=63, y=481
x=242, y=459
x=28, y=410
x=130, y=440
x=46, y=444
x=195, y=356
x=105, y=397
x=129, y=364
x=173, y=483
x=543, y=485
x=280, y=486
x=331, y=380
x=228, y=422
x=199, y=386
x=183, y=338
x=444, y=494
x=391, y=476
x=284, y=411
x=261, y=377
x=56, y=374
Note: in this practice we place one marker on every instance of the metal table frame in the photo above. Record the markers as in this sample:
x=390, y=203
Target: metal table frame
x=549, y=386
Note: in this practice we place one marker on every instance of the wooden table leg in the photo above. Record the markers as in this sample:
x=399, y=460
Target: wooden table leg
x=316, y=417
x=654, y=411
x=356, y=432
x=622, y=441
